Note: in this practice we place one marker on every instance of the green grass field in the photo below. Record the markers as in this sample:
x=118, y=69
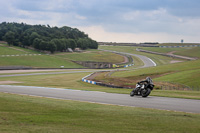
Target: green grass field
x=190, y=51
x=19, y=113
x=53, y=60
x=13, y=50
x=93, y=55
x=38, y=61
x=9, y=51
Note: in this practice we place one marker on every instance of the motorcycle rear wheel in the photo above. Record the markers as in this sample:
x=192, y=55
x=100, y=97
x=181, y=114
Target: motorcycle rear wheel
x=146, y=92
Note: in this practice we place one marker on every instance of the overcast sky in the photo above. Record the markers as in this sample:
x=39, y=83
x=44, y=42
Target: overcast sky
x=113, y=20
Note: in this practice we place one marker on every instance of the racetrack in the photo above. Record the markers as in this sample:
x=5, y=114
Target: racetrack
x=175, y=104
x=164, y=103
x=147, y=61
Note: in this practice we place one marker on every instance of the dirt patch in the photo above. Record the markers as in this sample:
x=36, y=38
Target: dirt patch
x=8, y=82
x=125, y=60
x=170, y=86
x=19, y=49
x=93, y=76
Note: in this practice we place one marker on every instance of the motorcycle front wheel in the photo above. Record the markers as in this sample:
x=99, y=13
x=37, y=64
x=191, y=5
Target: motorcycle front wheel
x=132, y=93
x=146, y=92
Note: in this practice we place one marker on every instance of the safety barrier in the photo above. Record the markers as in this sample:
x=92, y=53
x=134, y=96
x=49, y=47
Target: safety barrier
x=88, y=81
x=181, y=46
x=129, y=65
x=20, y=55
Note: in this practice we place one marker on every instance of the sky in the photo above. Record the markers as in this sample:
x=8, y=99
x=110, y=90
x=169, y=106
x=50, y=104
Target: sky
x=131, y=21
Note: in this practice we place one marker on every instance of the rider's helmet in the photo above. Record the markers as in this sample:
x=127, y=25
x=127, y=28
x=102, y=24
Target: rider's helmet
x=148, y=79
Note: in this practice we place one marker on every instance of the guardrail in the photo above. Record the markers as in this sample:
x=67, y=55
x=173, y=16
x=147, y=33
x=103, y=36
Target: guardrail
x=181, y=46
x=19, y=55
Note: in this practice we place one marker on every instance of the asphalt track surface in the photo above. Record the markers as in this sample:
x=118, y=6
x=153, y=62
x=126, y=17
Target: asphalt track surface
x=50, y=73
x=163, y=103
x=147, y=61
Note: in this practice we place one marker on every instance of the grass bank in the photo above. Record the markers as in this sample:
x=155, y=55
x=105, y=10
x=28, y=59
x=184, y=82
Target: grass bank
x=38, y=61
x=30, y=114
x=185, y=73
x=93, y=55
x=56, y=60
x=13, y=50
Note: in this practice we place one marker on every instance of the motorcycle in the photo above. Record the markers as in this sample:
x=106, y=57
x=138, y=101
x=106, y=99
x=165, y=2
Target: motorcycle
x=142, y=89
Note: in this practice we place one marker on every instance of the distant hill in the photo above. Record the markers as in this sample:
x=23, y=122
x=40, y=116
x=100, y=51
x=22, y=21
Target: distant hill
x=44, y=37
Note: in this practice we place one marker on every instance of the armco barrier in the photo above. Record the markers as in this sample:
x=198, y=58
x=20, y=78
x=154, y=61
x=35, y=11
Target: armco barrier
x=181, y=46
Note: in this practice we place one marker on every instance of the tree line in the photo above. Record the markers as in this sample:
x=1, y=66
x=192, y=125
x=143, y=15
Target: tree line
x=44, y=37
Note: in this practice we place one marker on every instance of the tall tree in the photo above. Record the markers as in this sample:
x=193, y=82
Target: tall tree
x=52, y=47
x=72, y=44
x=39, y=36
x=9, y=37
x=36, y=43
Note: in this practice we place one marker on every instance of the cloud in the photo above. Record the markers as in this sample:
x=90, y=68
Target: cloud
x=100, y=34
x=175, y=17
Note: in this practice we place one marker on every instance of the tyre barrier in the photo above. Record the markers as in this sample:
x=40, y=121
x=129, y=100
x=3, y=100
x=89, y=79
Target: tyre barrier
x=88, y=81
x=101, y=84
x=129, y=65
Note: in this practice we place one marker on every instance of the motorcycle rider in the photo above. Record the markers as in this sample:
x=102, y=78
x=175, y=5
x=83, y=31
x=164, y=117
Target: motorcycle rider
x=147, y=82
x=143, y=88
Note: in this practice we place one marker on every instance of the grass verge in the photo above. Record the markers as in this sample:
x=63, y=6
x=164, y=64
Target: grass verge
x=30, y=114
